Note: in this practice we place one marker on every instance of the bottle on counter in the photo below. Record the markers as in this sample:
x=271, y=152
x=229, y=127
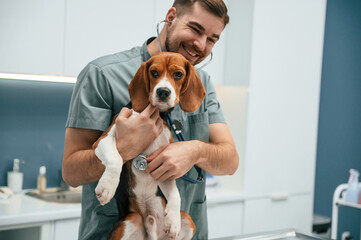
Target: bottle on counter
x=353, y=190
x=42, y=179
x=15, y=177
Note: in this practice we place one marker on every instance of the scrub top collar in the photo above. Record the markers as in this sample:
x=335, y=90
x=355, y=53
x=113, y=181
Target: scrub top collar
x=145, y=54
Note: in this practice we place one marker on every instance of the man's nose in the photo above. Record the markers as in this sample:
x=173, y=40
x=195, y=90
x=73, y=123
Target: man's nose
x=163, y=93
x=200, y=43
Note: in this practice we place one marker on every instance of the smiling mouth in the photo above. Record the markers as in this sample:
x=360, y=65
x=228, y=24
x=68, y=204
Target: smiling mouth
x=190, y=52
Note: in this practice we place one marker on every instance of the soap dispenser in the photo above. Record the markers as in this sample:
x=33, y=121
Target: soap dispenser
x=353, y=190
x=15, y=177
x=42, y=179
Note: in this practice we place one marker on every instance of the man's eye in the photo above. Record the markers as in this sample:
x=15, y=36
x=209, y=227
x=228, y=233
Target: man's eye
x=177, y=75
x=196, y=30
x=154, y=73
x=211, y=40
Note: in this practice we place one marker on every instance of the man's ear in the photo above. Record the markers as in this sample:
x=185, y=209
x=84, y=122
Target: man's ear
x=171, y=14
x=139, y=88
x=192, y=92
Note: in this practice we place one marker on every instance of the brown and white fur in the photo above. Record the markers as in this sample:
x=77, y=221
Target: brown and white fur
x=164, y=80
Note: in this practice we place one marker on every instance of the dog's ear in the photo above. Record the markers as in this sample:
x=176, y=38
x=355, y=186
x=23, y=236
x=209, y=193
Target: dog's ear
x=192, y=92
x=139, y=88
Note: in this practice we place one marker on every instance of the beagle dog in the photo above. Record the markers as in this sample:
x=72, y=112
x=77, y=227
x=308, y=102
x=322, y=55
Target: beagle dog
x=165, y=80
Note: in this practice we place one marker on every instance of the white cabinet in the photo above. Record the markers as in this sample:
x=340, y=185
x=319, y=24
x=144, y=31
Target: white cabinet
x=282, y=59
x=66, y=229
x=51, y=230
x=32, y=36
x=60, y=37
x=225, y=219
x=97, y=28
x=269, y=214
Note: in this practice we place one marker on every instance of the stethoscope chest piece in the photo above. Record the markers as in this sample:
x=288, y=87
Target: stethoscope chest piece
x=139, y=162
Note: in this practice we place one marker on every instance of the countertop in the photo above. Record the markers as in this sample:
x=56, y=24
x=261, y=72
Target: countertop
x=23, y=209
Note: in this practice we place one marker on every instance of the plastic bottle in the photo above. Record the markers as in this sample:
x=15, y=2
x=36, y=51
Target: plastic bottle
x=42, y=179
x=353, y=190
x=15, y=177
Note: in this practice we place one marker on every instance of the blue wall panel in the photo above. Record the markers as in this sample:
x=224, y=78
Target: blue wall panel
x=32, y=127
x=339, y=135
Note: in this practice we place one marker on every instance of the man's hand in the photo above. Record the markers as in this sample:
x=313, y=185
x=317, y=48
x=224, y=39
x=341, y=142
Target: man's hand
x=134, y=135
x=217, y=157
x=172, y=161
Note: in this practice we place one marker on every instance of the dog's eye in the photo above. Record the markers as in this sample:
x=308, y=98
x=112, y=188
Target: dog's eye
x=154, y=73
x=177, y=75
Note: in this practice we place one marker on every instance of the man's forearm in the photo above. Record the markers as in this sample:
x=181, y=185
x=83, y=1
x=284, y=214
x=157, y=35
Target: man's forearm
x=217, y=158
x=82, y=167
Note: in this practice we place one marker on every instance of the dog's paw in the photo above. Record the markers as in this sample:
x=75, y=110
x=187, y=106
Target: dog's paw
x=172, y=224
x=106, y=188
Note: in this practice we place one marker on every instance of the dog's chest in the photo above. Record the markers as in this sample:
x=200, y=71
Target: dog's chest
x=146, y=187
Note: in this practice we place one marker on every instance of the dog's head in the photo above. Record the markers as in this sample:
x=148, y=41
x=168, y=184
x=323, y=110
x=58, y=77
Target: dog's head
x=165, y=80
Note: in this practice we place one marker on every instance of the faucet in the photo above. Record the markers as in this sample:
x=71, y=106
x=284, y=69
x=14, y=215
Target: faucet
x=63, y=185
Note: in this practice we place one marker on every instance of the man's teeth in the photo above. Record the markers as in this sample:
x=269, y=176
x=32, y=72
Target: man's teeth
x=193, y=54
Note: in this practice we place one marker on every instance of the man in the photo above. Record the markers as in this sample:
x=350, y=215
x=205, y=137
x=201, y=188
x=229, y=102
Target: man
x=192, y=28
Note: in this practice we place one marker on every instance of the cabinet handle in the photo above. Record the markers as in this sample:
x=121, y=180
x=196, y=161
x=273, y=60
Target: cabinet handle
x=281, y=197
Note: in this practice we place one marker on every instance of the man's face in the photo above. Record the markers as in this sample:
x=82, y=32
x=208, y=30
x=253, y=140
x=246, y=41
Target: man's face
x=194, y=34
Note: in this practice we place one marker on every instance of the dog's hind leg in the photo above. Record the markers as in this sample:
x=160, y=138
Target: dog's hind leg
x=188, y=228
x=172, y=218
x=130, y=229
x=151, y=227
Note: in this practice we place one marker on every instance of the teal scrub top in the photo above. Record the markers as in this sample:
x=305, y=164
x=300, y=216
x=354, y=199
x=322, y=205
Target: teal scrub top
x=101, y=91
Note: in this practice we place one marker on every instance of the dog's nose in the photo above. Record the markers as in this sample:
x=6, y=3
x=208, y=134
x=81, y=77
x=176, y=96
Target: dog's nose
x=163, y=93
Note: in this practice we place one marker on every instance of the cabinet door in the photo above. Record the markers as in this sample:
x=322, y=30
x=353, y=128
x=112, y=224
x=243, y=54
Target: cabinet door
x=225, y=219
x=66, y=229
x=282, y=116
x=32, y=36
x=267, y=214
x=97, y=28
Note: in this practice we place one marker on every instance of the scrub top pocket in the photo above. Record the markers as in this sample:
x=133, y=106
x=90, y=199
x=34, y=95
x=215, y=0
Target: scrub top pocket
x=197, y=127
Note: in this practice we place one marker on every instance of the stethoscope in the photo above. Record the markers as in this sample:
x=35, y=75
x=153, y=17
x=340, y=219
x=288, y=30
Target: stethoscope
x=160, y=46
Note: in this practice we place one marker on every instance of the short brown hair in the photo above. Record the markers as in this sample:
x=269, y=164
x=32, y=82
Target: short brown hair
x=217, y=7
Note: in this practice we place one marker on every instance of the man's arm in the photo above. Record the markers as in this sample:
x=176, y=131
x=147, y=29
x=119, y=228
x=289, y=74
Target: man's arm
x=133, y=135
x=80, y=165
x=218, y=156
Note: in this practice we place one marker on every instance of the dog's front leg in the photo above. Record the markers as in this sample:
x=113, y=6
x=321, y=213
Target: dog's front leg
x=106, y=150
x=172, y=210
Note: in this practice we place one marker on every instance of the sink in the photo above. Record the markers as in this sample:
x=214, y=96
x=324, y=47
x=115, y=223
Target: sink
x=58, y=197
